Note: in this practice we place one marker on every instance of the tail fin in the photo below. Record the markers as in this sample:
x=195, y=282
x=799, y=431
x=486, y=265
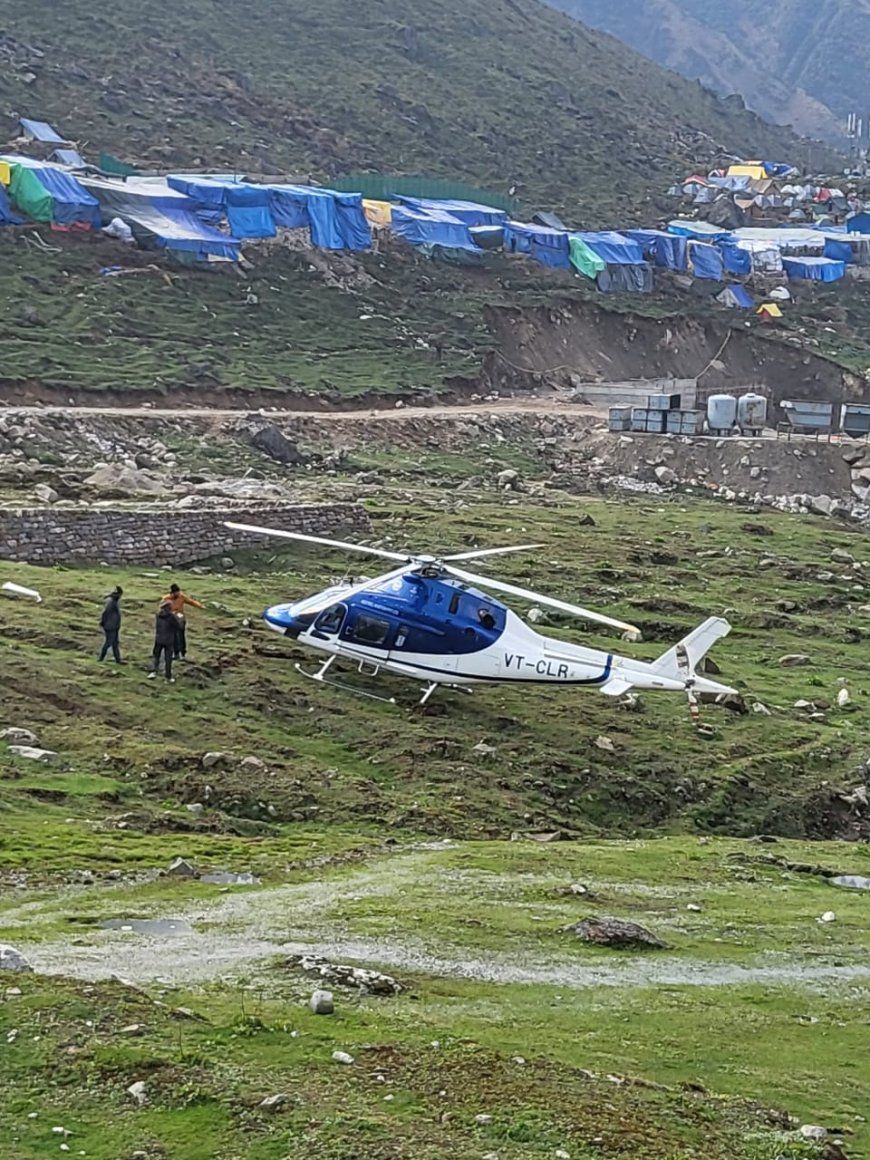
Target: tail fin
x=674, y=670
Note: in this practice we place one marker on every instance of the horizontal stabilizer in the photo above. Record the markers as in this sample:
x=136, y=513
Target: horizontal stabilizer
x=615, y=687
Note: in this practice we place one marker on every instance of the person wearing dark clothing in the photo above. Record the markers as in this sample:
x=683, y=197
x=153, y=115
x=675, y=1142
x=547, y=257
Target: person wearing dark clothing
x=110, y=622
x=177, y=600
x=165, y=640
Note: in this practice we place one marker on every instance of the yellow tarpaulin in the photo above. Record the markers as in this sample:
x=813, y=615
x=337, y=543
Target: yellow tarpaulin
x=756, y=172
x=378, y=213
x=769, y=310
x=5, y=172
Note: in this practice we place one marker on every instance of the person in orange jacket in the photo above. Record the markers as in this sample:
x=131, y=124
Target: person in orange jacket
x=176, y=599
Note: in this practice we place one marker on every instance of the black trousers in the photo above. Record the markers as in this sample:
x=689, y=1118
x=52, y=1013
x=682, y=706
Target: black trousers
x=111, y=644
x=164, y=650
x=181, y=641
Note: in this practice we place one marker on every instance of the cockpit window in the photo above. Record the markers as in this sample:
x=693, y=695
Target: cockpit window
x=332, y=619
x=454, y=603
x=369, y=630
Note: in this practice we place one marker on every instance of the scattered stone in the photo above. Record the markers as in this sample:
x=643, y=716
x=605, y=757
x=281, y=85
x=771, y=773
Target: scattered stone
x=322, y=1003
x=606, y=744
x=794, y=660
x=822, y=505
x=277, y=446
x=252, y=762
x=195, y=808
x=615, y=932
x=843, y=698
x=181, y=868
x=342, y=1057
x=508, y=480
x=483, y=1118
x=273, y=1103
x=484, y=750
x=33, y=753
x=116, y=477
x=761, y=710
x=133, y=1029
x=13, y=992
x=138, y=1092
x=228, y=563
x=61, y=1131
x=17, y=736
x=805, y=706
x=828, y=916
x=694, y=907
x=813, y=1132
x=45, y=494
x=370, y=982
x=13, y=960
x=209, y=760
x=536, y=836
x=841, y=556
x=665, y=475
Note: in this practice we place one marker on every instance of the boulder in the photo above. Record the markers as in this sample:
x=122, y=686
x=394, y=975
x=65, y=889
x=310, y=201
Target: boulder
x=508, y=480
x=841, y=556
x=273, y=1103
x=33, y=753
x=794, y=660
x=251, y=762
x=665, y=475
x=14, y=735
x=277, y=446
x=45, y=494
x=342, y=1057
x=181, y=868
x=13, y=960
x=209, y=760
x=322, y=1003
x=822, y=505
x=116, y=477
x=615, y=932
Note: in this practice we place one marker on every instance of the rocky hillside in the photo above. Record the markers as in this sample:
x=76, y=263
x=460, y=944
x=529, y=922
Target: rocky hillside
x=510, y=95
x=799, y=63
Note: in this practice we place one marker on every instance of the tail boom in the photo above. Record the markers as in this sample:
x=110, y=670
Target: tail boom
x=675, y=670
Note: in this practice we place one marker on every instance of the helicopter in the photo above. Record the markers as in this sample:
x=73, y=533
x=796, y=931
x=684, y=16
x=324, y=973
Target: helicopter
x=427, y=619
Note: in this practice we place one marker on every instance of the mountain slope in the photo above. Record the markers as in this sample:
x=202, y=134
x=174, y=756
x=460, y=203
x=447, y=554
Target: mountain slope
x=800, y=62
x=507, y=94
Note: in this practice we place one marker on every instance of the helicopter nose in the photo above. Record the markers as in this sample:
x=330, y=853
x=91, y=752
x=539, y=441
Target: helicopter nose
x=280, y=618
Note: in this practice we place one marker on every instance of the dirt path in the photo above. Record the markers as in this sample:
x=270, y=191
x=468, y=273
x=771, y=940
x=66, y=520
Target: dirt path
x=240, y=932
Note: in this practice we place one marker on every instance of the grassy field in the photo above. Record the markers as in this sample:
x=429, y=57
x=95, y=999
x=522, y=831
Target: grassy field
x=379, y=836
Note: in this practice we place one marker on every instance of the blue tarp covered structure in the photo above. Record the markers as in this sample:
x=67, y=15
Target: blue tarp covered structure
x=40, y=131
x=7, y=217
x=207, y=189
x=249, y=212
x=161, y=218
x=470, y=212
x=544, y=244
x=667, y=251
x=701, y=231
x=736, y=297
x=431, y=228
x=735, y=260
x=626, y=278
x=706, y=261
x=614, y=249
x=838, y=251
x=68, y=157
x=71, y=205
x=814, y=269
x=859, y=223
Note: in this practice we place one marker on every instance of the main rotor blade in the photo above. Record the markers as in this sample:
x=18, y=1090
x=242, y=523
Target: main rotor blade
x=363, y=586
x=481, y=552
x=526, y=594
x=318, y=540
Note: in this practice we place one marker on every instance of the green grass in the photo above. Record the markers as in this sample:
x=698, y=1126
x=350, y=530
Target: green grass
x=519, y=98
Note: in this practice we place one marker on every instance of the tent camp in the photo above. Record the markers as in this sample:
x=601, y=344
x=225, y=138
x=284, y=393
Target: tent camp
x=470, y=212
x=161, y=218
x=735, y=297
x=812, y=269
x=47, y=193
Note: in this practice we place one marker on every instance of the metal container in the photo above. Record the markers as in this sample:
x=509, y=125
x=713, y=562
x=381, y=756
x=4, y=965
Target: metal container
x=721, y=412
x=638, y=418
x=663, y=402
x=620, y=418
x=855, y=420
x=752, y=413
x=808, y=417
x=685, y=422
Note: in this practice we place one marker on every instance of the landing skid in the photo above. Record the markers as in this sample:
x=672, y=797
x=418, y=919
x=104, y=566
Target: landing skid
x=320, y=676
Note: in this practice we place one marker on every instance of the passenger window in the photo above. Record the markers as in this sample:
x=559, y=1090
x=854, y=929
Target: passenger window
x=454, y=603
x=368, y=630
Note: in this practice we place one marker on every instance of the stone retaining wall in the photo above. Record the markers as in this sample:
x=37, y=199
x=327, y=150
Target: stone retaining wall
x=167, y=536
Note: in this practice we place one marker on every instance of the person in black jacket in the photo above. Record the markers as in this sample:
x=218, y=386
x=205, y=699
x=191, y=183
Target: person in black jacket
x=165, y=640
x=110, y=623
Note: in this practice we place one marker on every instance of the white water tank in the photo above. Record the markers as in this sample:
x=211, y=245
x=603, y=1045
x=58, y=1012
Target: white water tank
x=721, y=412
x=752, y=412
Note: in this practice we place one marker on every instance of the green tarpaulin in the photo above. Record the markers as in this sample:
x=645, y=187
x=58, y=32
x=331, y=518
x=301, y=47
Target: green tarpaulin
x=584, y=259
x=29, y=195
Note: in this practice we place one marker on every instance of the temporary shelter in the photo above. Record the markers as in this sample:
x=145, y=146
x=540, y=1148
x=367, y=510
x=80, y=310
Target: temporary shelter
x=431, y=227
x=470, y=212
x=735, y=297
x=39, y=131
x=47, y=193
x=664, y=250
x=544, y=244
x=769, y=310
x=705, y=261
x=812, y=269
x=7, y=217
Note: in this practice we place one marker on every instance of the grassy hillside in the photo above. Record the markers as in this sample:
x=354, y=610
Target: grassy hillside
x=803, y=64
x=510, y=95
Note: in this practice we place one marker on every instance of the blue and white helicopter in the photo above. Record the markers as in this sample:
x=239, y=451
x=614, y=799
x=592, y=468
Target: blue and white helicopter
x=426, y=620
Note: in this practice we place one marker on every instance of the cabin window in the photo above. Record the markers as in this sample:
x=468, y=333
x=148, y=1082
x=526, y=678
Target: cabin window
x=371, y=631
x=454, y=603
x=331, y=620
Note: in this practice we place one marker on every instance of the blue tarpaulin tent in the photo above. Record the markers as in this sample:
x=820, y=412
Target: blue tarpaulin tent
x=39, y=131
x=859, y=223
x=702, y=231
x=68, y=157
x=667, y=251
x=248, y=211
x=548, y=246
x=814, y=269
x=839, y=251
x=72, y=207
x=7, y=217
x=615, y=249
x=207, y=189
x=735, y=260
x=470, y=212
x=706, y=261
x=431, y=227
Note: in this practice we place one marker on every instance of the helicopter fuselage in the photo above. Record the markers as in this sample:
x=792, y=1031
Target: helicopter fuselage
x=441, y=631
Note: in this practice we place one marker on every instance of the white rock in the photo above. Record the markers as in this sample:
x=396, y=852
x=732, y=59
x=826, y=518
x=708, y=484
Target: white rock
x=828, y=916
x=794, y=660
x=606, y=744
x=32, y=753
x=762, y=710
x=813, y=1132
x=59, y=1131
x=342, y=1057
x=694, y=907
x=17, y=736
x=843, y=698
x=13, y=960
x=485, y=750
x=322, y=1003
x=665, y=474
x=45, y=494
x=252, y=762
x=272, y=1103
x=841, y=556
x=138, y=1092
x=483, y=1119
x=209, y=760
x=195, y=808
x=181, y=868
